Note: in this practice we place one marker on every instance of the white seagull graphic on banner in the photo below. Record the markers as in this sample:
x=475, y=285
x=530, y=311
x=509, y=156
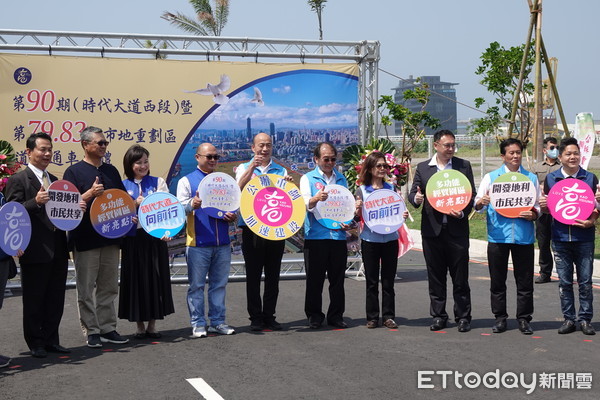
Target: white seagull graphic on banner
x=258, y=98
x=216, y=90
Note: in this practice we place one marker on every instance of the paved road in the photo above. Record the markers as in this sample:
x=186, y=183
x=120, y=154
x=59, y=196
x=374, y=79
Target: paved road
x=299, y=363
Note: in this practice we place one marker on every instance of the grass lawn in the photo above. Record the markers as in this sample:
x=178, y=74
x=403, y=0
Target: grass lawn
x=478, y=227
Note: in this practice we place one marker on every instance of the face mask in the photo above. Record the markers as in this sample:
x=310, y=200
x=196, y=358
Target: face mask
x=552, y=153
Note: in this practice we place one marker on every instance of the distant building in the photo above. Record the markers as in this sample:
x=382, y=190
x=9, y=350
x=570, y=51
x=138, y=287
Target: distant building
x=442, y=108
x=272, y=129
x=249, y=129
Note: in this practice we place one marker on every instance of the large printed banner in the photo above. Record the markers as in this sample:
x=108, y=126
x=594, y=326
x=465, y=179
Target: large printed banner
x=171, y=106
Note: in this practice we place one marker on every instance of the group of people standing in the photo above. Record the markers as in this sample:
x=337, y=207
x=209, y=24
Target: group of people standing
x=446, y=238
x=145, y=295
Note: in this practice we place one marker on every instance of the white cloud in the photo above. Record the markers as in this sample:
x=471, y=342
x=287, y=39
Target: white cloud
x=282, y=89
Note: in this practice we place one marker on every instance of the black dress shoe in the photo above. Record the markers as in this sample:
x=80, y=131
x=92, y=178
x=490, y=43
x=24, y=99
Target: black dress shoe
x=438, y=324
x=543, y=278
x=314, y=324
x=524, y=327
x=57, y=348
x=567, y=327
x=499, y=326
x=464, y=325
x=256, y=326
x=587, y=328
x=39, y=352
x=338, y=324
x=273, y=325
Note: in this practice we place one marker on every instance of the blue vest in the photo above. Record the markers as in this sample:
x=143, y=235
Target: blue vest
x=313, y=230
x=273, y=169
x=367, y=234
x=568, y=233
x=509, y=230
x=203, y=230
x=149, y=185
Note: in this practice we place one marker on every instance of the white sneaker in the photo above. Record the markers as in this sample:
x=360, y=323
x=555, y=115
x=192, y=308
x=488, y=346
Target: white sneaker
x=222, y=329
x=199, y=331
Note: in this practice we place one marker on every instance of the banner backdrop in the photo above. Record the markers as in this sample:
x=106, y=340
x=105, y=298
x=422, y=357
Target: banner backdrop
x=171, y=106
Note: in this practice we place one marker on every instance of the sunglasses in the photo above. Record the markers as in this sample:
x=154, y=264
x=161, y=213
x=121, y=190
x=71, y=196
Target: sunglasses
x=210, y=156
x=382, y=166
x=552, y=147
x=329, y=159
x=101, y=143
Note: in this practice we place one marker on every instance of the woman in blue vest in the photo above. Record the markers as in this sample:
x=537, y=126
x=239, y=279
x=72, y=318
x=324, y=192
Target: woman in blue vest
x=145, y=294
x=379, y=251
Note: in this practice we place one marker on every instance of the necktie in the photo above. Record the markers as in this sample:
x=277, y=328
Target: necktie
x=45, y=180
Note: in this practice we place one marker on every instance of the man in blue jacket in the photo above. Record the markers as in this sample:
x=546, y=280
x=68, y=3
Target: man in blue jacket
x=208, y=251
x=506, y=236
x=573, y=244
x=325, y=250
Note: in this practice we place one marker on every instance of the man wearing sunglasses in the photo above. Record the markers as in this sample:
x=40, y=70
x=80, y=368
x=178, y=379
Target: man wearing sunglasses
x=445, y=237
x=543, y=226
x=208, y=251
x=96, y=257
x=325, y=250
x=260, y=253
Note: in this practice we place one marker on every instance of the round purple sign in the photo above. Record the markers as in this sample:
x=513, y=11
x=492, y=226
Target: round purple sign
x=15, y=228
x=571, y=199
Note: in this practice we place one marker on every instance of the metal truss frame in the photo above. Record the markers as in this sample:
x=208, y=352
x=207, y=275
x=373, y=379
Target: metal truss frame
x=365, y=53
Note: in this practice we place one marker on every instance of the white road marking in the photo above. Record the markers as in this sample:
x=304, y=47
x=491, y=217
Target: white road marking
x=204, y=389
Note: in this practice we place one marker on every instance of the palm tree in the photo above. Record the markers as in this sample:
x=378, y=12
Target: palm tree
x=211, y=20
x=317, y=6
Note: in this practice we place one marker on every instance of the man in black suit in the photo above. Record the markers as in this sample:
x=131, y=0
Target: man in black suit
x=445, y=237
x=44, y=262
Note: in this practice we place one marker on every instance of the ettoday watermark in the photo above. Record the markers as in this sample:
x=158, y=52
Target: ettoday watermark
x=508, y=380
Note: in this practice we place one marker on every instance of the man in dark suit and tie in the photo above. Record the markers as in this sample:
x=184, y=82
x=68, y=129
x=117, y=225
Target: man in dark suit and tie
x=445, y=236
x=44, y=262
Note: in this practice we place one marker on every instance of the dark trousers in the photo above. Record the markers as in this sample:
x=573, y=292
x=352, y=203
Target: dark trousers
x=448, y=254
x=543, y=233
x=261, y=255
x=522, y=258
x=43, y=297
x=321, y=257
x=380, y=257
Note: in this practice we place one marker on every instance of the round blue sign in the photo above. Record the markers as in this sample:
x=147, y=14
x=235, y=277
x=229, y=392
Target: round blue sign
x=15, y=228
x=161, y=214
x=22, y=76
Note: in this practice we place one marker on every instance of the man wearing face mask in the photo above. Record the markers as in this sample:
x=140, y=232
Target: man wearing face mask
x=543, y=225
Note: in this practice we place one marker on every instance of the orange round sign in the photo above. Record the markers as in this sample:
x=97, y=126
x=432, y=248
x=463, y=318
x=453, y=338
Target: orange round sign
x=112, y=213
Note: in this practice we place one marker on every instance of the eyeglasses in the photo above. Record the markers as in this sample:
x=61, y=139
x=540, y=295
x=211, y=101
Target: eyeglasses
x=552, y=147
x=210, y=156
x=101, y=143
x=328, y=159
x=447, y=145
x=382, y=166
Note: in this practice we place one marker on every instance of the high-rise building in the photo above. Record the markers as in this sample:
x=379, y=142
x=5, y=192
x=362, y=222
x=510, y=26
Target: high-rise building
x=272, y=129
x=442, y=108
x=249, y=129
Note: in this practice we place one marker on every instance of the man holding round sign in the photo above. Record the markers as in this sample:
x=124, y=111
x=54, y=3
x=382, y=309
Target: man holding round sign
x=510, y=232
x=259, y=252
x=325, y=250
x=208, y=250
x=570, y=199
x=96, y=257
x=44, y=261
x=444, y=185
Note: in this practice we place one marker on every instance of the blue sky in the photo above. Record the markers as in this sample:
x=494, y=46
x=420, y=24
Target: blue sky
x=435, y=37
x=311, y=100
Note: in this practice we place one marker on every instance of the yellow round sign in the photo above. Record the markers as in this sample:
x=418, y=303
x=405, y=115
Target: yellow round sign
x=272, y=207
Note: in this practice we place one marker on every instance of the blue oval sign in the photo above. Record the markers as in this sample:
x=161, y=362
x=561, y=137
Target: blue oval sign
x=15, y=228
x=161, y=214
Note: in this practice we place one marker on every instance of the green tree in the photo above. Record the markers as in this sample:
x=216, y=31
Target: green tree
x=211, y=20
x=413, y=123
x=499, y=72
x=317, y=6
